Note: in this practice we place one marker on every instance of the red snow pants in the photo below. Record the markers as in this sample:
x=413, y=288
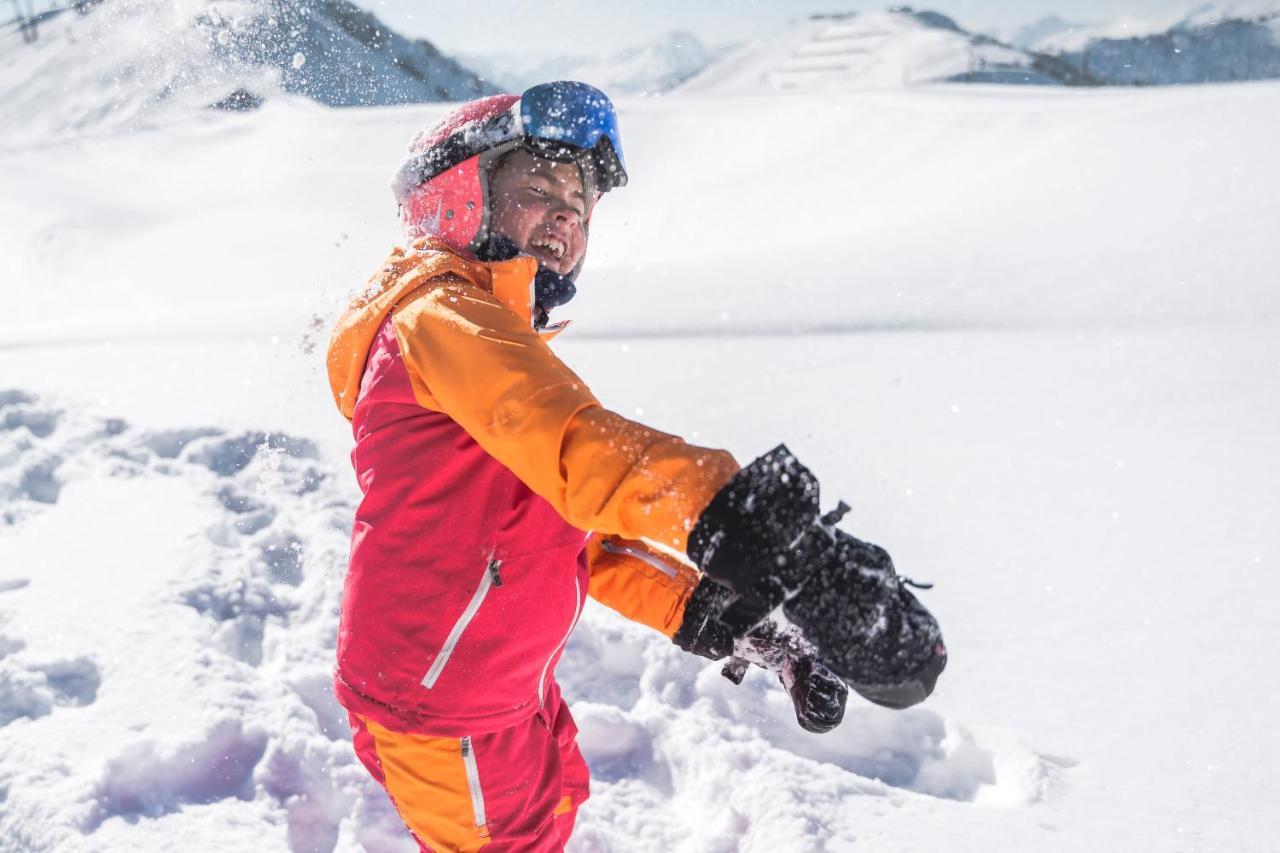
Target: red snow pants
x=517, y=789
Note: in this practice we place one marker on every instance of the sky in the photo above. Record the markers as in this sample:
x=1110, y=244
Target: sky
x=572, y=27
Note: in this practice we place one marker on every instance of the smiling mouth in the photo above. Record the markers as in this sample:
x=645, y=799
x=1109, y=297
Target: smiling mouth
x=549, y=245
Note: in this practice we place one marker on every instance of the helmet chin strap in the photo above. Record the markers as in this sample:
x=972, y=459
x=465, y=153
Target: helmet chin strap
x=550, y=288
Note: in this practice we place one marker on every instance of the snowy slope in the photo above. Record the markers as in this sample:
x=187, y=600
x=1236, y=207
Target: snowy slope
x=648, y=68
x=1029, y=335
x=865, y=50
x=136, y=63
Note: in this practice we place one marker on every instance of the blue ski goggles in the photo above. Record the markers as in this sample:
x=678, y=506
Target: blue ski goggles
x=565, y=119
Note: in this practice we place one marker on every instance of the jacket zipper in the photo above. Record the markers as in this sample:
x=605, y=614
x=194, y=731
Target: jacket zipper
x=487, y=581
x=644, y=556
x=577, y=610
x=473, y=781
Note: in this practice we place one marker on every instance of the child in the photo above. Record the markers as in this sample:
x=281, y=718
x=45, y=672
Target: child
x=498, y=493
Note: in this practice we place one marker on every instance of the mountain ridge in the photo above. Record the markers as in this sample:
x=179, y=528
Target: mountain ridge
x=129, y=64
x=1212, y=43
x=903, y=47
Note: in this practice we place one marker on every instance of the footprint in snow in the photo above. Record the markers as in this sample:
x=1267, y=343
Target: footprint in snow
x=22, y=415
x=35, y=448
x=35, y=689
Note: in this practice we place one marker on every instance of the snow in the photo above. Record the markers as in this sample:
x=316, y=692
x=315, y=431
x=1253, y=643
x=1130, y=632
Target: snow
x=1028, y=335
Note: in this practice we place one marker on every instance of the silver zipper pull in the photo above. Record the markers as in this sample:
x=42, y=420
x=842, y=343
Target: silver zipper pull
x=493, y=571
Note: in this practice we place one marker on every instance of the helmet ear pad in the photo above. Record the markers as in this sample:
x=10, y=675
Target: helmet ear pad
x=452, y=206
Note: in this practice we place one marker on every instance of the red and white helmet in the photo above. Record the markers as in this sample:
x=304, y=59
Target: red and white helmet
x=443, y=188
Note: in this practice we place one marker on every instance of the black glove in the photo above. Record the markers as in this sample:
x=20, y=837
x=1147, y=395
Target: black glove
x=817, y=694
x=761, y=536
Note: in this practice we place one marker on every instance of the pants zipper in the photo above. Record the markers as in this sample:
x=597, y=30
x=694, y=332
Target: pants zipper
x=473, y=781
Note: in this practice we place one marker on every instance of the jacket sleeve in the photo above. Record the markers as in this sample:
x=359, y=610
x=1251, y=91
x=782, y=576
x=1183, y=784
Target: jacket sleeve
x=475, y=360
x=639, y=582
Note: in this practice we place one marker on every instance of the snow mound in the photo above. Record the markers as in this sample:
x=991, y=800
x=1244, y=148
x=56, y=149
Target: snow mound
x=866, y=50
x=128, y=64
x=192, y=698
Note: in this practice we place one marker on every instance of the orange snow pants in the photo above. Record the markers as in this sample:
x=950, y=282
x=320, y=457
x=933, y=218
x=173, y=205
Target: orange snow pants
x=517, y=789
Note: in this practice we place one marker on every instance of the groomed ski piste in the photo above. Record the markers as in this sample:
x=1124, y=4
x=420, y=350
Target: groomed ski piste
x=1029, y=335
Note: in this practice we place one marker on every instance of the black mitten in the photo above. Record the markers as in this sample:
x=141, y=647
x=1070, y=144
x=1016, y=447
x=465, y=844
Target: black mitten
x=745, y=535
x=762, y=537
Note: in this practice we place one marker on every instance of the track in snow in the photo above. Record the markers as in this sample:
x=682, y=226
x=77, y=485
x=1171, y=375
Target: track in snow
x=246, y=618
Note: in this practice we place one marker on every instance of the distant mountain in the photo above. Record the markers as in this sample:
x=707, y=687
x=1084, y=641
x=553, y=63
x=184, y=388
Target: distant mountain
x=1031, y=35
x=645, y=69
x=870, y=50
x=904, y=47
x=119, y=64
x=1216, y=42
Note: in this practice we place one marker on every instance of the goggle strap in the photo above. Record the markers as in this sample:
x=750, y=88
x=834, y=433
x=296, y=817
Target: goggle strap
x=497, y=130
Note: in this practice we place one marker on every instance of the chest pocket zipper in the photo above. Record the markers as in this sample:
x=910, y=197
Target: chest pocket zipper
x=489, y=579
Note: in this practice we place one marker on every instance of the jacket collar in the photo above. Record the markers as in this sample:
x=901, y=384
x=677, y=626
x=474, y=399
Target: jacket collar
x=511, y=281
x=428, y=259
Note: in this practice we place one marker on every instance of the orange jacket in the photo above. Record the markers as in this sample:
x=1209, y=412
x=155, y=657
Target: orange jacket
x=465, y=334
x=467, y=338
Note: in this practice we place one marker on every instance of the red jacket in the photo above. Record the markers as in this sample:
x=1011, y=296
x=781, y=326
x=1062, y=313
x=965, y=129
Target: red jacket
x=483, y=461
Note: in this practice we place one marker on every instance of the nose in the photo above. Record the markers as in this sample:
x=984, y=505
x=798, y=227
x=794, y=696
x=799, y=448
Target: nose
x=568, y=215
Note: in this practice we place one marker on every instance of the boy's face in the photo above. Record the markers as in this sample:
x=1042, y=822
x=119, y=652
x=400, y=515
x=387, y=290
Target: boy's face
x=539, y=204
